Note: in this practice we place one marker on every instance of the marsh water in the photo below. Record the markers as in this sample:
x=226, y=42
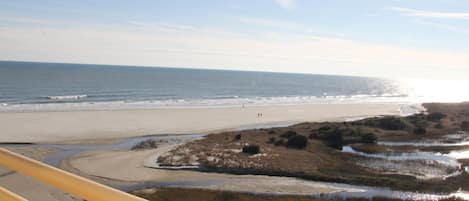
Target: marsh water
x=342, y=190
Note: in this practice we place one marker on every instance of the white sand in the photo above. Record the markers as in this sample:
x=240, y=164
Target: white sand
x=80, y=125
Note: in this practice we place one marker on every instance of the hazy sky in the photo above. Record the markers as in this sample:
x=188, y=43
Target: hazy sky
x=388, y=38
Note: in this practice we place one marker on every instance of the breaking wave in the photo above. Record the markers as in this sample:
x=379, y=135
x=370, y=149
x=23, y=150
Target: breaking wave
x=68, y=97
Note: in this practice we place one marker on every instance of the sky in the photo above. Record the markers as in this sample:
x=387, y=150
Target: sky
x=424, y=39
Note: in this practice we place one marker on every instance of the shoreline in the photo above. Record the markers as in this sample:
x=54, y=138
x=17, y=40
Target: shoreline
x=133, y=170
x=111, y=124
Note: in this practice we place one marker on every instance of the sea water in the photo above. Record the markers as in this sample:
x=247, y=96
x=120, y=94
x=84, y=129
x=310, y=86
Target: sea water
x=30, y=86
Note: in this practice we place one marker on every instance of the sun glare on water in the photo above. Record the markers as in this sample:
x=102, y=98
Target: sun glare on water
x=437, y=90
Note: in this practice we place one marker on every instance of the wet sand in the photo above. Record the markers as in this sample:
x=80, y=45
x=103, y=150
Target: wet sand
x=81, y=125
x=130, y=167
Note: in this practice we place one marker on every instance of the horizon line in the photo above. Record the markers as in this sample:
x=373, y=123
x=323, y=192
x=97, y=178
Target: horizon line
x=190, y=68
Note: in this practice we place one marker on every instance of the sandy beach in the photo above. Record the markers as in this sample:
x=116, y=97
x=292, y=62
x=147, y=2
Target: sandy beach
x=129, y=167
x=82, y=125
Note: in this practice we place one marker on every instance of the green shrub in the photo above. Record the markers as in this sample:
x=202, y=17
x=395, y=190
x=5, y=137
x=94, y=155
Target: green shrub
x=279, y=142
x=369, y=138
x=416, y=117
x=335, y=139
x=420, y=130
x=297, y=142
x=465, y=125
x=272, y=140
x=391, y=123
x=313, y=136
x=237, y=137
x=324, y=128
x=251, y=149
x=435, y=116
x=288, y=134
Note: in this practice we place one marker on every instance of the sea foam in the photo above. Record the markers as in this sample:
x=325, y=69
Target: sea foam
x=82, y=96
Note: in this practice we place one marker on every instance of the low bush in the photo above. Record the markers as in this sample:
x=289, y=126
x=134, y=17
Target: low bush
x=465, y=125
x=439, y=125
x=335, y=139
x=272, y=140
x=288, y=134
x=237, y=137
x=420, y=130
x=147, y=144
x=368, y=138
x=324, y=128
x=297, y=142
x=313, y=136
x=435, y=116
x=271, y=132
x=279, y=142
x=391, y=123
x=416, y=117
x=251, y=149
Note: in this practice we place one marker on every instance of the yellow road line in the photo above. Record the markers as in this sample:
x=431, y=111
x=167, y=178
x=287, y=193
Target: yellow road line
x=67, y=182
x=6, y=195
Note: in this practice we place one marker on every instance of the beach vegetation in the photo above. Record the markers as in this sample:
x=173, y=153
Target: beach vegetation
x=435, y=116
x=288, y=134
x=465, y=125
x=147, y=144
x=324, y=128
x=420, y=130
x=297, y=142
x=368, y=138
x=335, y=139
x=237, y=137
x=272, y=140
x=251, y=149
x=279, y=142
x=387, y=123
x=391, y=123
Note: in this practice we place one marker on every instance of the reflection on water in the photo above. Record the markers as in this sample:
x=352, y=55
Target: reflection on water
x=426, y=144
x=292, y=186
x=459, y=154
x=423, y=165
x=427, y=156
x=436, y=90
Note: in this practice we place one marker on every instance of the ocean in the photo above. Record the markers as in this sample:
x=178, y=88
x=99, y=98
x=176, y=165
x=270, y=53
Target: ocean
x=31, y=86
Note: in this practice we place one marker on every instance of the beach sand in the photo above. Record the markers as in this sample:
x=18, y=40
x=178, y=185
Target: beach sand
x=129, y=167
x=82, y=125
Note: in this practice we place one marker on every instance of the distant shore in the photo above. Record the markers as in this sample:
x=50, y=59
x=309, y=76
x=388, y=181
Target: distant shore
x=90, y=125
